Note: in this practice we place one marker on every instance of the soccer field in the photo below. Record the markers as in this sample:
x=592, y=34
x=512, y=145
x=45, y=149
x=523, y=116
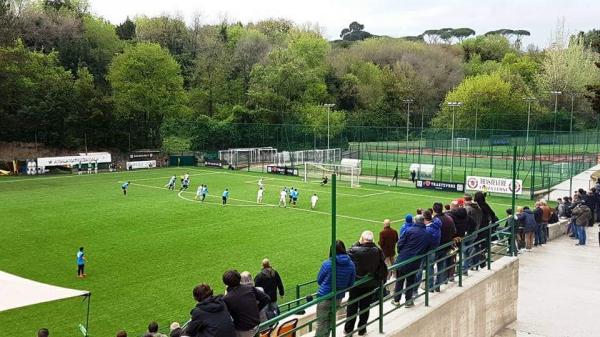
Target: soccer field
x=147, y=250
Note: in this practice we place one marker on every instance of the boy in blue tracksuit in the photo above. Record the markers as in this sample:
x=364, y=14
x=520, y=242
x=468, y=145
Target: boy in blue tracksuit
x=408, y=223
x=345, y=274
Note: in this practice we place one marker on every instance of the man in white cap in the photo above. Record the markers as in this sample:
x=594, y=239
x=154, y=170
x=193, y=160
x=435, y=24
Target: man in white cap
x=369, y=262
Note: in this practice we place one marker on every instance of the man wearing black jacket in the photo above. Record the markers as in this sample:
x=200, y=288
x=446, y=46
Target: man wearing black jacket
x=241, y=302
x=269, y=280
x=448, y=231
x=210, y=317
x=368, y=260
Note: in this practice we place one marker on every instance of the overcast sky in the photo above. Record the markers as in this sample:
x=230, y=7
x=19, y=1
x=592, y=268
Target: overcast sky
x=381, y=17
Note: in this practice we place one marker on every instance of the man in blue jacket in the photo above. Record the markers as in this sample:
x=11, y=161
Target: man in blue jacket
x=415, y=241
x=345, y=273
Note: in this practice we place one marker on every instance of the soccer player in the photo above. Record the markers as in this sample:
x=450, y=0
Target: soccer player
x=261, y=184
x=259, y=196
x=204, y=192
x=171, y=184
x=282, y=197
x=294, y=196
x=199, y=192
x=81, y=263
x=290, y=195
x=124, y=187
x=324, y=181
x=225, y=196
x=313, y=201
x=395, y=177
x=96, y=167
x=186, y=183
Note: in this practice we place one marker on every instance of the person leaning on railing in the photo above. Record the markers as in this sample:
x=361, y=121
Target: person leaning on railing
x=414, y=242
x=388, y=238
x=369, y=262
x=210, y=317
x=448, y=232
x=345, y=274
x=241, y=301
x=526, y=217
x=269, y=279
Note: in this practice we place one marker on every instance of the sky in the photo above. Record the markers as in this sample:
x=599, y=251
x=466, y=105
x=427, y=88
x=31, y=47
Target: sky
x=394, y=18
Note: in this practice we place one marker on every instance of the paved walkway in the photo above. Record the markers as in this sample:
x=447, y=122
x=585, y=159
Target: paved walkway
x=559, y=290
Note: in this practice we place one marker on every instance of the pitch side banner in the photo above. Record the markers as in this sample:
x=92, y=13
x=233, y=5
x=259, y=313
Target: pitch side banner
x=142, y=164
x=440, y=186
x=100, y=157
x=495, y=185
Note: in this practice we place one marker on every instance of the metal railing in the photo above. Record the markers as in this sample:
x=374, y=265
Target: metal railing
x=453, y=259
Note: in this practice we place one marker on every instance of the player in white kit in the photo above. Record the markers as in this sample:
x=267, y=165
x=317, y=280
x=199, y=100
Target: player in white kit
x=282, y=198
x=259, y=195
x=313, y=201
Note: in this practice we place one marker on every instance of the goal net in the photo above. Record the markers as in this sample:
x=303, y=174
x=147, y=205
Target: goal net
x=463, y=144
x=294, y=158
x=348, y=170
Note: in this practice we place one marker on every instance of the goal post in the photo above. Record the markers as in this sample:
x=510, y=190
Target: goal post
x=462, y=143
x=315, y=172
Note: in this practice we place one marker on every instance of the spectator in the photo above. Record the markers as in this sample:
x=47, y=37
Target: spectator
x=475, y=213
x=509, y=225
x=175, y=330
x=594, y=204
x=539, y=234
x=246, y=279
x=414, y=242
x=241, y=301
x=210, y=317
x=447, y=234
x=487, y=217
x=344, y=278
x=459, y=215
x=560, y=208
x=433, y=227
x=582, y=215
x=43, y=332
x=153, y=330
x=568, y=203
x=546, y=213
x=408, y=222
x=122, y=333
x=526, y=217
x=388, y=238
x=369, y=262
x=269, y=280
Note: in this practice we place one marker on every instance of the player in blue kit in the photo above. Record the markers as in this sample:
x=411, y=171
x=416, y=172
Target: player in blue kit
x=124, y=187
x=225, y=196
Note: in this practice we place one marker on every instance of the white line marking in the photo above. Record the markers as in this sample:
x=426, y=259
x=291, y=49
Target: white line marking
x=273, y=205
x=166, y=178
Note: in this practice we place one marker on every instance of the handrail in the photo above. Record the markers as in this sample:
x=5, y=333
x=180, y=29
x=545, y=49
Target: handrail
x=491, y=231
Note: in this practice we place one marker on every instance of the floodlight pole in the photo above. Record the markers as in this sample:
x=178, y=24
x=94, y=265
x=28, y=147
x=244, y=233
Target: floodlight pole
x=571, y=137
x=407, y=101
x=529, y=100
x=556, y=94
x=328, y=106
x=453, y=105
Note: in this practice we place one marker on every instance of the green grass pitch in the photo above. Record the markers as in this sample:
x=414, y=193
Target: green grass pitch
x=147, y=250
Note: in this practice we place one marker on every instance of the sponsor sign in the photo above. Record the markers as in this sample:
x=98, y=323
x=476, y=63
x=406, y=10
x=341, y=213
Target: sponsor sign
x=99, y=157
x=213, y=163
x=142, y=164
x=440, y=186
x=283, y=170
x=495, y=185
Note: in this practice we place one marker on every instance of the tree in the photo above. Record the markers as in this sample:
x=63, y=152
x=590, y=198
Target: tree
x=462, y=33
x=147, y=86
x=126, y=30
x=8, y=32
x=489, y=47
x=100, y=45
x=494, y=97
x=355, y=32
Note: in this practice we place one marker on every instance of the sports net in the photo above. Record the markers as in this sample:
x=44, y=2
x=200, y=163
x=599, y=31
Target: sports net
x=244, y=157
x=293, y=158
x=349, y=171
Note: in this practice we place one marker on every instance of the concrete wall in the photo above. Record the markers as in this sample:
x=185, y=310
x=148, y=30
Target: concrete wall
x=558, y=229
x=483, y=307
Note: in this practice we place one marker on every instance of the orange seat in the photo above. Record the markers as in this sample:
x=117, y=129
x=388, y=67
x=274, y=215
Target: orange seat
x=265, y=333
x=285, y=328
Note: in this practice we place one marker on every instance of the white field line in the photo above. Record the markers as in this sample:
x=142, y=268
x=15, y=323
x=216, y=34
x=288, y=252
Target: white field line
x=433, y=197
x=166, y=178
x=373, y=194
x=268, y=205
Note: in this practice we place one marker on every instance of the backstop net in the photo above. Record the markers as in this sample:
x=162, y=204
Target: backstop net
x=298, y=158
x=245, y=157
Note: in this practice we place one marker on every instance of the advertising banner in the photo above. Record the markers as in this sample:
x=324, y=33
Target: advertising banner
x=142, y=164
x=284, y=170
x=440, y=186
x=98, y=157
x=494, y=185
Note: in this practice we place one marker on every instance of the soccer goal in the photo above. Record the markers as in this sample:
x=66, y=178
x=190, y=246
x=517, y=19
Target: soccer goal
x=244, y=157
x=294, y=158
x=348, y=170
x=462, y=144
